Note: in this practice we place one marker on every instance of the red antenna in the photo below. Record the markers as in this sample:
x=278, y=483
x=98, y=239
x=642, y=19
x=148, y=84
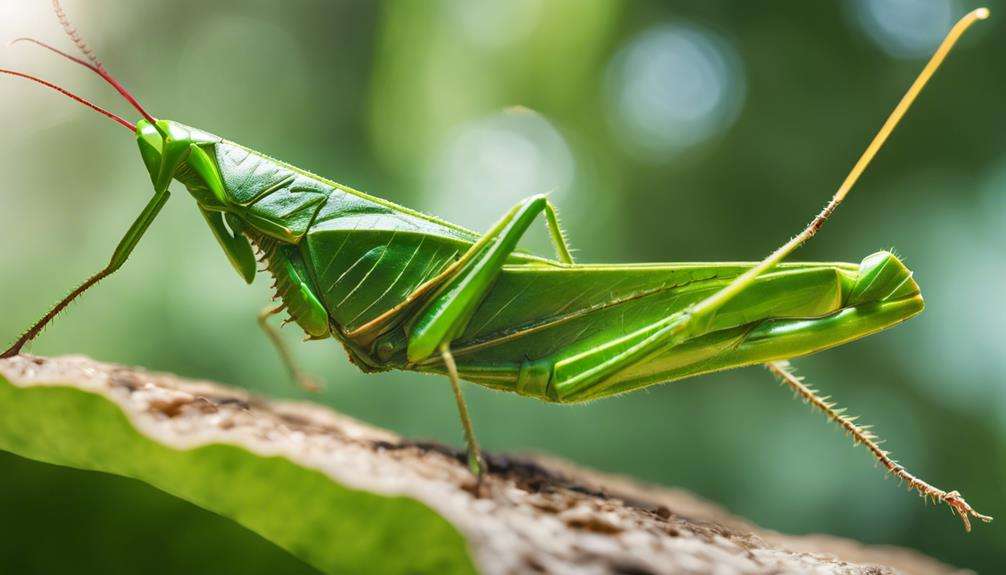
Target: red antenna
x=95, y=64
x=99, y=71
x=129, y=125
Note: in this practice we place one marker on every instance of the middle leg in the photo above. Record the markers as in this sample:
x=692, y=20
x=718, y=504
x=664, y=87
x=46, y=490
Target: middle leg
x=449, y=310
x=302, y=379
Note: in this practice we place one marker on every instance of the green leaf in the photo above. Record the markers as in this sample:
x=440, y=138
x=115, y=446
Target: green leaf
x=65, y=419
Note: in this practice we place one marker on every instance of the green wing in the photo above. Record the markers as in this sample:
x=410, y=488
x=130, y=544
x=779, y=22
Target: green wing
x=367, y=258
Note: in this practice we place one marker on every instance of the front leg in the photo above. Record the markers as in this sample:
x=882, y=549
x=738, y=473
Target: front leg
x=449, y=310
x=175, y=149
x=119, y=257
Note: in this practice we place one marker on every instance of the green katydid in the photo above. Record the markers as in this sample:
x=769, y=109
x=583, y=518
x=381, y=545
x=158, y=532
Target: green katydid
x=404, y=290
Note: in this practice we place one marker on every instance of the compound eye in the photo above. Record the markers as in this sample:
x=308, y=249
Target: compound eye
x=146, y=132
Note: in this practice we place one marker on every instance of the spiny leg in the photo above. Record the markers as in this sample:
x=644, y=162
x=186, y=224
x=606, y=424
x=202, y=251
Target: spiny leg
x=475, y=462
x=302, y=379
x=174, y=150
x=862, y=434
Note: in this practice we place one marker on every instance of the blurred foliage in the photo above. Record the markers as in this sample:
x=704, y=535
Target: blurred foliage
x=413, y=101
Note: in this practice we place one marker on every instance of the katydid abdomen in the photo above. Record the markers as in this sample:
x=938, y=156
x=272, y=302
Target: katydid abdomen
x=797, y=310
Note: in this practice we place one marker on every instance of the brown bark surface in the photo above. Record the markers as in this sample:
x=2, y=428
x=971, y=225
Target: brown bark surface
x=530, y=514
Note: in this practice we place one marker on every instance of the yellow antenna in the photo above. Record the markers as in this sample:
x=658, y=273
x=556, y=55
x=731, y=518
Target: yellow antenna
x=742, y=281
x=906, y=101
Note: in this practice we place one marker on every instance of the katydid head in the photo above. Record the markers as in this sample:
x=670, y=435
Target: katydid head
x=171, y=151
x=164, y=146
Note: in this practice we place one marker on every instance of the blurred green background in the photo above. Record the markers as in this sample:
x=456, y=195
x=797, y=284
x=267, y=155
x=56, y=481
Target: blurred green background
x=666, y=131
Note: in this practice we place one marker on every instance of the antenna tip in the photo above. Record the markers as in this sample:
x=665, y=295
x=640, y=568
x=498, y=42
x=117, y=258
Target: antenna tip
x=982, y=13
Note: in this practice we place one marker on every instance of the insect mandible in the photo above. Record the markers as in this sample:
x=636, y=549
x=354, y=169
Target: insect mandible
x=403, y=290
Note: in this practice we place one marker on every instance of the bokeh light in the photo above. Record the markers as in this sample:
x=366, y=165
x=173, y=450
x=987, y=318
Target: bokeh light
x=38, y=108
x=905, y=28
x=491, y=163
x=673, y=87
x=494, y=23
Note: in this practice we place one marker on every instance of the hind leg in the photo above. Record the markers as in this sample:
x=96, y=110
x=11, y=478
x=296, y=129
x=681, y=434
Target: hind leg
x=862, y=434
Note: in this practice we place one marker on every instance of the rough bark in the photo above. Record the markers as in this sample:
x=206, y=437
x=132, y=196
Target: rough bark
x=530, y=514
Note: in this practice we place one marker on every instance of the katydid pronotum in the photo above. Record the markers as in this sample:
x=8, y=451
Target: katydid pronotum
x=403, y=290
